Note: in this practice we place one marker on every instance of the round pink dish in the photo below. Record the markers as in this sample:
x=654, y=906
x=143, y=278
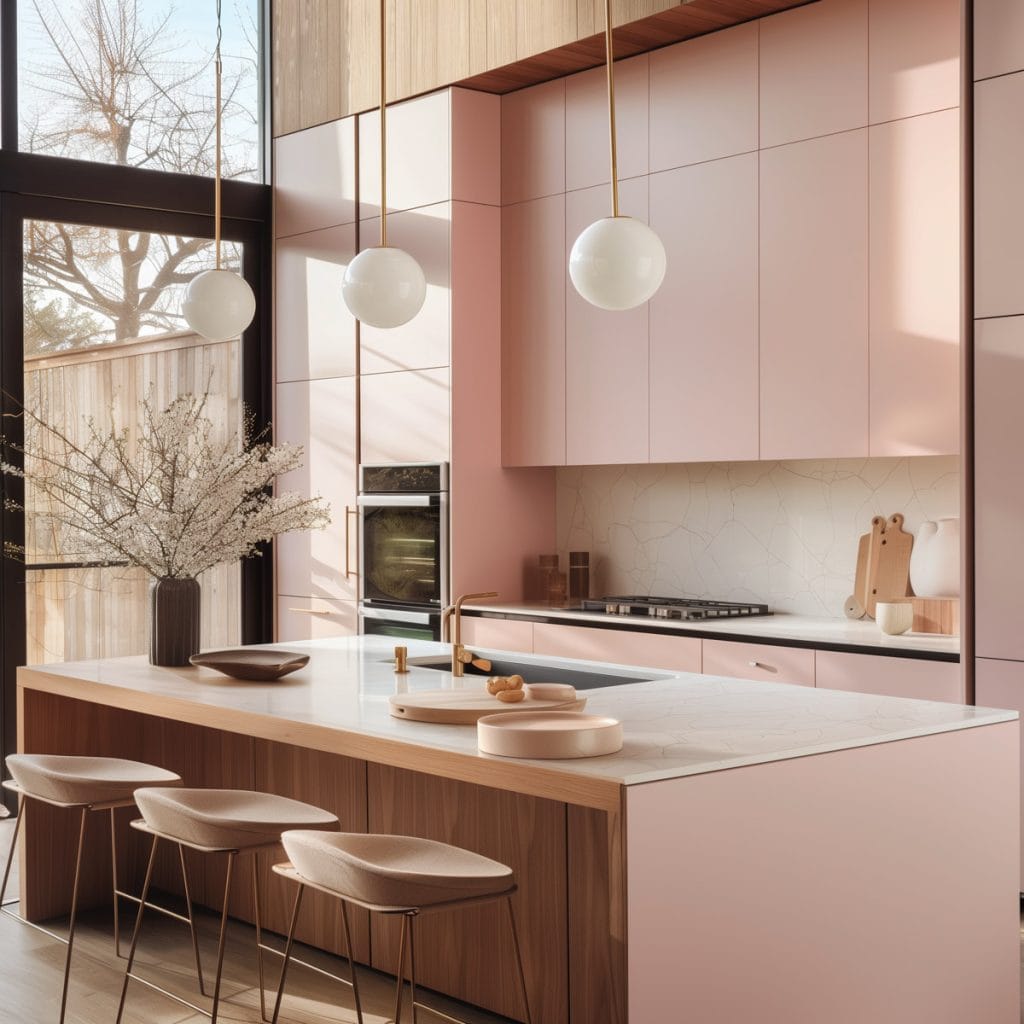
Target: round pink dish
x=549, y=734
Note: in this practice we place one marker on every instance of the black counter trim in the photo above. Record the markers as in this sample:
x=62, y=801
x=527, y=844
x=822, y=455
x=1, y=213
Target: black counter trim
x=631, y=626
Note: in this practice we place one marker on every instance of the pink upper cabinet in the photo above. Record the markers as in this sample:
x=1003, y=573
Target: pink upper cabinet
x=998, y=37
x=419, y=155
x=915, y=285
x=998, y=197
x=814, y=298
x=533, y=142
x=586, y=123
x=405, y=416
x=315, y=178
x=704, y=98
x=425, y=233
x=476, y=147
x=606, y=353
x=999, y=486
x=315, y=334
x=914, y=57
x=704, y=318
x=814, y=71
x=534, y=277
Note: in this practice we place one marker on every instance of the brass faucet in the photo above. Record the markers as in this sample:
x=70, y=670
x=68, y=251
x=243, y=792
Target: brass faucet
x=454, y=611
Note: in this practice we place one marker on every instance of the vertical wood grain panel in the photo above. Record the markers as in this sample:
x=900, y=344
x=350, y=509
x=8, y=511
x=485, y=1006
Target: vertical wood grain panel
x=543, y=26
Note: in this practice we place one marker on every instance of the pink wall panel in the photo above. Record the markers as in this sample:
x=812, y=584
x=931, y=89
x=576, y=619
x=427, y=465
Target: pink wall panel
x=315, y=178
x=814, y=71
x=315, y=334
x=300, y=618
x=1000, y=684
x=763, y=662
x=424, y=341
x=890, y=677
x=476, y=147
x=620, y=647
x=498, y=634
x=586, y=123
x=704, y=98
x=914, y=57
x=405, y=416
x=533, y=279
x=915, y=285
x=999, y=486
x=872, y=884
x=321, y=416
x=998, y=37
x=998, y=197
x=533, y=142
x=500, y=518
x=419, y=155
x=814, y=298
x=704, y=345
x=606, y=353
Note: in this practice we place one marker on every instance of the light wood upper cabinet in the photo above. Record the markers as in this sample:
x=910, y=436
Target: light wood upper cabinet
x=998, y=37
x=703, y=321
x=814, y=298
x=915, y=285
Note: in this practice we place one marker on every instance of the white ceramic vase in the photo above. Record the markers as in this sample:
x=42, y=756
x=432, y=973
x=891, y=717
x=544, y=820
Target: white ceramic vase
x=935, y=560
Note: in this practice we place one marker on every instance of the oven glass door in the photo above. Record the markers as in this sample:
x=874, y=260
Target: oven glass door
x=399, y=630
x=404, y=550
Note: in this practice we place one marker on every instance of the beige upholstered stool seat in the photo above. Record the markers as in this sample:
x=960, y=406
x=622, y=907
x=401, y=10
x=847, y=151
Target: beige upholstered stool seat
x=84, y=780
x=394, y=871
x=227, y=819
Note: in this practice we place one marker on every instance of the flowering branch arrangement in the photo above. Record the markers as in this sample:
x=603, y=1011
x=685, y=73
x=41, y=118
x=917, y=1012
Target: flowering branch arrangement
x=169, y=495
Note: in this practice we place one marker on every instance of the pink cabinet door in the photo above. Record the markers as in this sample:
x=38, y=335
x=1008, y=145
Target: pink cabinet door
x=320, y=415
x=301, y=618
x=915, y=285
x=814, y=298
x=704, y=348
x=533, y=142
x=533, y=283
x=620, y=647
x=606, y=354
x=405, y=416
x=1000, y=684
x=999, y=486
x=498, y=634
x=998, y=37
x=890, y=677
x=763, y=662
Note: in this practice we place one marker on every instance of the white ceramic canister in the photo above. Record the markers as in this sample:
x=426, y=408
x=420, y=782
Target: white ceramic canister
x=894, y=617
x=935, y=560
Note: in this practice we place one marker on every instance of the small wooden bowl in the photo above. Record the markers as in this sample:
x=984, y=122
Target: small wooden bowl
x=258, y=666
x=549, y=734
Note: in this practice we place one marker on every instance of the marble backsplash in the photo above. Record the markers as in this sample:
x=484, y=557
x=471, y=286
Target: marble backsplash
x=781, y=533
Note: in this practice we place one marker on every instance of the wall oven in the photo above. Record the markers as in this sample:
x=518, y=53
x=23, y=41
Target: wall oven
x=403, y=549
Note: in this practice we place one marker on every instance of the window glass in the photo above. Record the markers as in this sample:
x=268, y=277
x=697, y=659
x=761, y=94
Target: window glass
x=131, y=82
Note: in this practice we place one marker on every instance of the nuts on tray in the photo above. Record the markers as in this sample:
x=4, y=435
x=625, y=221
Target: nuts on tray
x=510, y=696
x=502, y=684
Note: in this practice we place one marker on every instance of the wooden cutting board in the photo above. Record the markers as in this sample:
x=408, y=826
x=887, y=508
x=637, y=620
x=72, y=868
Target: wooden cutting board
x=857, y=603
x=890, y=571
x=465, y=707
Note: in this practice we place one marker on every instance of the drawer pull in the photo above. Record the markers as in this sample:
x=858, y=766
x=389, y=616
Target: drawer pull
x=757, y=664
x=311, y=611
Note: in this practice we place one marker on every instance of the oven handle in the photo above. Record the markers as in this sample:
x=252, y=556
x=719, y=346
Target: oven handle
x=349, y=512
x=398, y=500
x=393, y=615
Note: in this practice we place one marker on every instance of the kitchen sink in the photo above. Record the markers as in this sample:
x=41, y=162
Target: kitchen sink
x=581, y=678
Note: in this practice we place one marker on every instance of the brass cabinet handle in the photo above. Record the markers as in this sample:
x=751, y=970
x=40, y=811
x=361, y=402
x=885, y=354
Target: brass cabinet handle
x=311, y=611
x=349, y=511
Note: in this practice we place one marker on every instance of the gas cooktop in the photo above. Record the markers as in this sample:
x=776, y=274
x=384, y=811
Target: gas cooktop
x=689, y=608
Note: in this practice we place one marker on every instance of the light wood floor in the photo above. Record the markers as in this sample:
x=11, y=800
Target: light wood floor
x=32, y=965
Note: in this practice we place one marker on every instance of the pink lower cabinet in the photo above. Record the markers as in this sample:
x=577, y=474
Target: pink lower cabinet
x=499, y=634
x=303, y=618
x=759, y=661
x=890, y=677
x=621, y=647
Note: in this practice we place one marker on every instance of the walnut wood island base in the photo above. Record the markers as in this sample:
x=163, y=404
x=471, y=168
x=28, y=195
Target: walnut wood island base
x=755, y=852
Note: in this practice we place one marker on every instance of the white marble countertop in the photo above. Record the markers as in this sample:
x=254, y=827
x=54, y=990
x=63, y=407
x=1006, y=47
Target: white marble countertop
x=805, y=629
x=675, y=725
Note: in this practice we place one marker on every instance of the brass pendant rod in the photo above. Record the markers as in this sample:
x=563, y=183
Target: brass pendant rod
x=383, y=124
x=610, y=61
x=217, y=148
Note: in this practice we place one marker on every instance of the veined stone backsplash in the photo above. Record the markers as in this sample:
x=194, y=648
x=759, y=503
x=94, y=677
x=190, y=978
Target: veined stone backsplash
x=780, y=533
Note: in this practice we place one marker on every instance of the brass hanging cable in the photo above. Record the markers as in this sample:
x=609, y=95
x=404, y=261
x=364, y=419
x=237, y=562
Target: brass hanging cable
x=383, y=125
x=610, y=61
x=217, y=128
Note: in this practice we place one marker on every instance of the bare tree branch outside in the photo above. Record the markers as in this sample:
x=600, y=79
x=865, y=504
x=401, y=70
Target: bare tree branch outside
x=127, y=82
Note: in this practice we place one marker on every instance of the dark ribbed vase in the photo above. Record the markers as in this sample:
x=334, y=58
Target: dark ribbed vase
x=174, y=621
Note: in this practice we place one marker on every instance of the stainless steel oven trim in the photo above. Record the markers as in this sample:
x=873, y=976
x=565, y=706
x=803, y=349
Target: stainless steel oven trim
x=400, y=500
x=394, y=615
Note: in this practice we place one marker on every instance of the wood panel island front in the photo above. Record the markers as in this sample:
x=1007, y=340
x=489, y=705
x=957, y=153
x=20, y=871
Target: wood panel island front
x=755, y=851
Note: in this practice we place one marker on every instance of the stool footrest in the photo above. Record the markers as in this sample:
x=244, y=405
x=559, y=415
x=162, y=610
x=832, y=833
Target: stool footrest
x=170, y=995
x=309, y=967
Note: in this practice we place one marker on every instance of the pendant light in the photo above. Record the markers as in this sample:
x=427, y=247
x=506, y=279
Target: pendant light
x=384, y=286
x=218, y=304
x=618, y=262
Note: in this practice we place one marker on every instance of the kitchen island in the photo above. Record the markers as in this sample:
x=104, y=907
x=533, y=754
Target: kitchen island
x=756, y=851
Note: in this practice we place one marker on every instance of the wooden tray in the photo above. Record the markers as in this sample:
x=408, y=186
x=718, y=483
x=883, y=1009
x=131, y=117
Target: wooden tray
x=465, y=707
x=555, y=734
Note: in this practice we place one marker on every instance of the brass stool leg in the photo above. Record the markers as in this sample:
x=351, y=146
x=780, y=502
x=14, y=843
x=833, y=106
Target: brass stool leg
x=288, y=954
x=191, y=919
x=259, y=938
x=519, y=958
x=412, y=966
x=223, y=938
x=351, y=962
x=113, y=881
x=137, y=929
x=74, y=913
x=13, y=850
x=400, y=972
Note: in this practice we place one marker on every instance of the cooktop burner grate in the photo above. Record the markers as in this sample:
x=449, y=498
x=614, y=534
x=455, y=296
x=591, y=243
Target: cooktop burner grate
x=674, y=607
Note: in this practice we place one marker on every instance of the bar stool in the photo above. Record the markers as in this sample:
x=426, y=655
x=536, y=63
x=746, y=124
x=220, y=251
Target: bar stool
x=393, y=875
x=233, y=822
x=84, y=784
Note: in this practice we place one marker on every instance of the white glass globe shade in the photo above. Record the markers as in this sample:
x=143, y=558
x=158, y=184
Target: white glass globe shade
x=617, y=263
x=384, y=287
x=218, y=304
